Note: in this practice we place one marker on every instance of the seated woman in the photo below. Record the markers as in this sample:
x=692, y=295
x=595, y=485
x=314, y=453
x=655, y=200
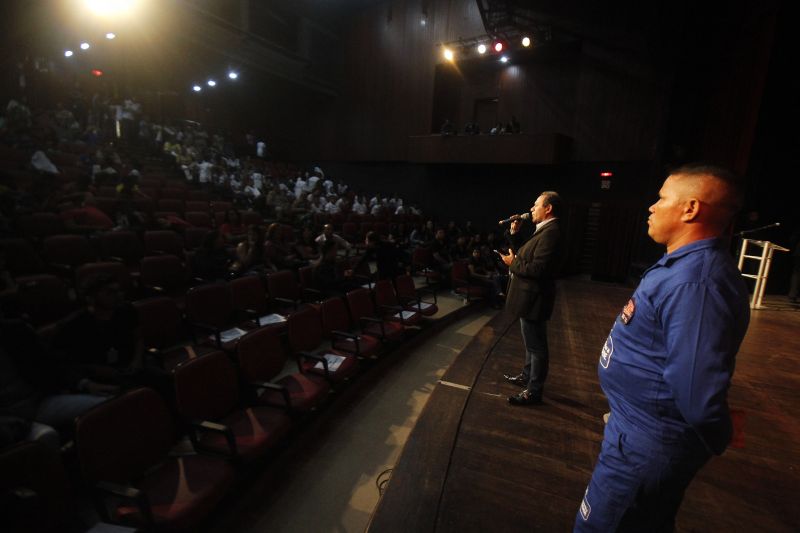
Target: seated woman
x=480, y=275
x=251, y=253
x=212, y=259
x=232, y=229
x=306, y=246
x=277, y=251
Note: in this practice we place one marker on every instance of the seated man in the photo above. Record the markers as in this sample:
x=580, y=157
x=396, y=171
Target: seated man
x=37, y=401
x=100, y=345
x=481, y=275
x=328, y=234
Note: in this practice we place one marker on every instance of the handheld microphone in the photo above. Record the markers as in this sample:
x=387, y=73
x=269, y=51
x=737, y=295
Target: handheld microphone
x=512, y=218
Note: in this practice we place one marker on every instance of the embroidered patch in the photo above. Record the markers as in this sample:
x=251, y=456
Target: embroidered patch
x=586, y=509
x=605, y=353
x=628, y=311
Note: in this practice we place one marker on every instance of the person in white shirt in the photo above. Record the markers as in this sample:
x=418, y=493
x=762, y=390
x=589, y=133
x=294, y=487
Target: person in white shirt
x=331, y=207
x=235, y=183
x=328, y=234
x=358, y=207
x=204, y=171
x=299, y=186
x=328, y=185
x=312, y=182
x=258, y=180
x=251, y=191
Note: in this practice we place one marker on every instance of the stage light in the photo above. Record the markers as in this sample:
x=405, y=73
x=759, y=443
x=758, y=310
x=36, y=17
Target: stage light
x=526, y=42
x=448, y=54
x=84, y=46
x=423, y=22
x=606, y=174
x=481, y=48
x=110, y=36
x=197, y=88
x=504, y=59
x=233, y=75
x=110, y=8
x=68, y=53
x=211, y=83
x=498, y=47
x=97, y=72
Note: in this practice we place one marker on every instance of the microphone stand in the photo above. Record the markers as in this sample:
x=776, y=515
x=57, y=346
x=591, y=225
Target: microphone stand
x=754, y=230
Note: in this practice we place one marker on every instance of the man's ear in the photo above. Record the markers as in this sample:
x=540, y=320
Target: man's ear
x=691, y=209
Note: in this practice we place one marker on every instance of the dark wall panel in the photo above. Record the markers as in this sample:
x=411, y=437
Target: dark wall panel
x=392, y=91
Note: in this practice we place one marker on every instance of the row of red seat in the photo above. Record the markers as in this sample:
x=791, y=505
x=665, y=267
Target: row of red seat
x=236, y=400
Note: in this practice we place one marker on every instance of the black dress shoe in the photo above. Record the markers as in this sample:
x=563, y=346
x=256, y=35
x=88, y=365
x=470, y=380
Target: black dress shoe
x=519, y=379
x=524, y=398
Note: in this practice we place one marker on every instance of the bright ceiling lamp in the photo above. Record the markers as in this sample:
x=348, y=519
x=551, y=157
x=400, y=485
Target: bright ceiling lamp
x=111, y=8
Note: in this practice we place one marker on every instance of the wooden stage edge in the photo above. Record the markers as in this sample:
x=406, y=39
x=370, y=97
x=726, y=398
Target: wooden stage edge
x=475, y=463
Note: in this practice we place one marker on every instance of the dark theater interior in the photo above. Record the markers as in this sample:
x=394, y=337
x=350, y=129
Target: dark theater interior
x=399, y=266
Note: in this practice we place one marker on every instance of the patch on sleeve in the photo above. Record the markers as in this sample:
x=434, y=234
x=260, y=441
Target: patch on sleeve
x=605, y=353
x=586, y=509
x=628, y=311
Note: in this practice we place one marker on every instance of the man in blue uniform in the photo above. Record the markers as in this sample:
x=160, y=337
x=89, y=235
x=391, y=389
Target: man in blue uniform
x=668, y=361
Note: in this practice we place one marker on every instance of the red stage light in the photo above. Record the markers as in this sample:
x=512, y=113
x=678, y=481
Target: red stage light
x=97, y=72
x=606, y=174
x=498, y=47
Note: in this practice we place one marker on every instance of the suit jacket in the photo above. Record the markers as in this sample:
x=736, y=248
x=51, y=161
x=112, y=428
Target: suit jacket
x=532, y=291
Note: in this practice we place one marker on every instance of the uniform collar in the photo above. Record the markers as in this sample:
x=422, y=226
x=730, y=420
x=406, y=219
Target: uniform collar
x=714, y=242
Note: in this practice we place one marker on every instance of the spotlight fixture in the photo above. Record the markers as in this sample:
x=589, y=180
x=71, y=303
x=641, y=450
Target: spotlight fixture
x=197, y=88
x=423, y=22
x=68, y=53
x=84, y=46
x=448, y=54
x=498, y=47
x=97, y=72
x=526, y=41
x=211, y=83
x=233, y=75
x=481, y=49
x=111, y=35
x=504, y=59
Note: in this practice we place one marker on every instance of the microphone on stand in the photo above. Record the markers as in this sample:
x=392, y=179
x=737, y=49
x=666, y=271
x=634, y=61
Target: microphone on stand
x=748, y=231
x=512, y=218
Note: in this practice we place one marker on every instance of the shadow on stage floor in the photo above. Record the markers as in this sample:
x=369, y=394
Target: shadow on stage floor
x=474, y=463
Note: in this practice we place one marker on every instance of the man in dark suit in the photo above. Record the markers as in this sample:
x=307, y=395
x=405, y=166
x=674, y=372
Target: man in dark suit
x=531, y=294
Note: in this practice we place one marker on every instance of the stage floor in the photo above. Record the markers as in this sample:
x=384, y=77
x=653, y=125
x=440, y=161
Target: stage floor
x=475, y=463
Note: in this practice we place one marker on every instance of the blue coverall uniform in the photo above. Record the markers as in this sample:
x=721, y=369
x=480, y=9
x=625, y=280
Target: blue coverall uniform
x=665, y=368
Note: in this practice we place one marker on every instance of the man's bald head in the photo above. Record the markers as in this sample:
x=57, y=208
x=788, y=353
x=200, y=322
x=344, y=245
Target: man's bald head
x=718, y=190
x=695, y=202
